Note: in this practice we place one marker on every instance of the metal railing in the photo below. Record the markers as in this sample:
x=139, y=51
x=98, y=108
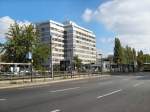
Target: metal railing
x=44, y=75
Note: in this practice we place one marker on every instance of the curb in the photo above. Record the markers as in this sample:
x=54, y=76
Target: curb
x=48, y=82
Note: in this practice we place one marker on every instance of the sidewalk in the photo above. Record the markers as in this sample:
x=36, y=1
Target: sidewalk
x=41, y=81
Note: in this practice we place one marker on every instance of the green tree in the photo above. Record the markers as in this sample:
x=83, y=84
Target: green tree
x=146, y=58
x=1, y=48
x=140, y=59
x=134, y=55
x=129, y=55
x=20, y=41
x=125, y=56
x=118, y=52
x=77, y=62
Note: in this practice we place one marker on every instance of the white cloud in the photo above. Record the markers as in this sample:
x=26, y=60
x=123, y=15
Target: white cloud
x=105, y=40
x=25, y=22
x=87, y=16
x=130, y=19
x=5, y=23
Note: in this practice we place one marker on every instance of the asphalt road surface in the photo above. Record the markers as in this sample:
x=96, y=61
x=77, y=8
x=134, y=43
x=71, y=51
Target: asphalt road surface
x=121, y=93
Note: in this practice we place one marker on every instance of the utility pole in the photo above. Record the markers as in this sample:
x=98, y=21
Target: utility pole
x=101, y=64
x=51, y=57
x=31, y=70
x=71, y=63
x=29, y=57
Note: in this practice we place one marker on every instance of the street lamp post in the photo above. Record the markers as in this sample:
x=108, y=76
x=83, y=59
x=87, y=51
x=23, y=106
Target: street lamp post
x=51, y=59
x=101, y=64
x=29, y=56
x=72, y=61
x=52, y=67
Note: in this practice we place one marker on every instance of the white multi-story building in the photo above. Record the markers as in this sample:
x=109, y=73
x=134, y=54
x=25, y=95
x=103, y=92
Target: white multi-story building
x=68, y=40
x=52, y=33
x=98, y=57
x=80, y=42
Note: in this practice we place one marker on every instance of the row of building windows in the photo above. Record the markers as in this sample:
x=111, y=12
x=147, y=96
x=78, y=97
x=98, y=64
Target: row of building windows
x=86, y=39
x=45, y=39
x=83, y=55
x=80, y=52
x=45, y=34
x=57, y=60
x=84, y=47
x=56, y=29
x=58, y=55
x=57, y=35
x=85, y=61
x=57, y=39
x=81, y=42
x=85, y=52
x=83, y=34
x=45, y=29
x=86, y=56
x=57, y=45
x=85, y=30
x=89, y=61
x=59, y=50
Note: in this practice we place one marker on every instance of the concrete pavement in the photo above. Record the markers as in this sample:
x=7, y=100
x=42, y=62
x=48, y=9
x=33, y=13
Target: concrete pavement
x=42, y=81
x=112, y=94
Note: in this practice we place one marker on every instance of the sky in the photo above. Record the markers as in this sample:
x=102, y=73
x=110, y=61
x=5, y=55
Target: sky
x=128, y=20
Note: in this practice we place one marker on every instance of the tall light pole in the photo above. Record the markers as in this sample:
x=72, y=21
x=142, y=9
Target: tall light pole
x=72, y=60
x=29, y=57
x=146, y=56
x=51, y=56
x=101, y=64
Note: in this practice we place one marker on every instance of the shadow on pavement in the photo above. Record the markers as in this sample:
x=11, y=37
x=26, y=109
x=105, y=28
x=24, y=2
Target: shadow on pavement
x=123, y=73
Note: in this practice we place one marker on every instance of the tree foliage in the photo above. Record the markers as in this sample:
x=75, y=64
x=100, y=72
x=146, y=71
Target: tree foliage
x=140, y=60
x=20, y=41
x=118, y=52
x=146, y=58
x=123, y=55
x=77, y=62
x=128, y=55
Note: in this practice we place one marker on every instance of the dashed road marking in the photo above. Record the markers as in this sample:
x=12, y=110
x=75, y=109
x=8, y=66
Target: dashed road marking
x=109, y=93
x=56, y=110
x=139, y=76
x=105, y=83
x=79, y=82
x=137, y=84
x=61, y=90
x=125, y=79
x=2, y=99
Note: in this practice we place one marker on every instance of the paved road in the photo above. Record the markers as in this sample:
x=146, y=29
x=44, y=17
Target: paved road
x=111, y=94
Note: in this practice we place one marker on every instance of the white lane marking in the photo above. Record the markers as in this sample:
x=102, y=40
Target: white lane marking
x=125, y=79
x=137, y=84
x=56, y=110
x=60, y=90
x=105, y=83
x=79, y=82
x=139, y=76
x=109, y=93
x=3, y=99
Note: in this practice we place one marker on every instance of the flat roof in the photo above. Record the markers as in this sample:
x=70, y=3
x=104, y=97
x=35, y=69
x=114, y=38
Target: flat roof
x=66, y=23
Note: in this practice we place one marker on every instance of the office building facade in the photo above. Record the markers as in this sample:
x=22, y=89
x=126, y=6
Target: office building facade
x=68, y=40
